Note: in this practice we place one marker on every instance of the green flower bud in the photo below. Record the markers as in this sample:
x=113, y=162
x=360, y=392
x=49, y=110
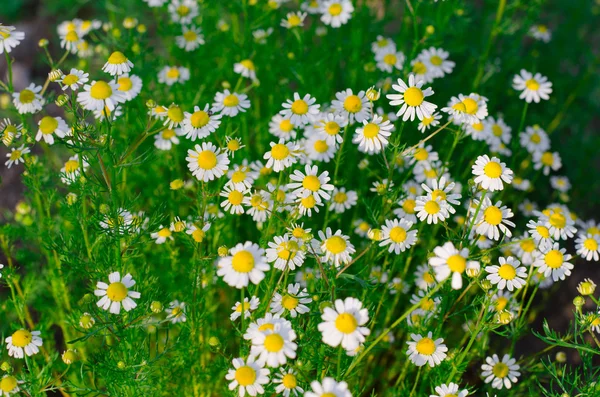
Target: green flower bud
x=156, y=307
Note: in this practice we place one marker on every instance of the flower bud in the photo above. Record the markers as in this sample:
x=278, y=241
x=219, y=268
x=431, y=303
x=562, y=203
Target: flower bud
x=486, y=285
x=141, y=28
x=104, y=208
x=6, y=366
x=70, y=356
x=486, y=259
x=43, y=43
x=374, y=234
x=373, y=94
x=150, y=104
x=55, y=74
x=504, y=317
x=579, y=301
x=176, y=184
x=222, y=251
x=473, y=268
x=430, y=29
x=86, y=321
x=323, y=305
x=121, y=365
x=586, y=287
x=130, y=23
x=561, y=357
x=151, y=329
x=213, y=341
x=71, y=198
x=156, y=307
x=61, y=100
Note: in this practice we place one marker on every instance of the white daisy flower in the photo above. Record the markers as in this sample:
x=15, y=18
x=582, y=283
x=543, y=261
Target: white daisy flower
x=282, y=128
x=249, y=377
x=588, y=246
x=117, y=293
x=294, y=301
x=260, y=204
x=508, y=275
x=525, y=248
x=476, y=131
x=336, y=13
x=389, y=60
x=49, y=126
x=310, y=183
x=342, y=200
x=433, y=210
x=533, y=87
x=560, y=183
x=170, y=75
x=274, y=346
x=560, y=225
x=29, y=99
x=540, y=32
x=118, y=223
x=329, y=387
x=502, y=373
x=534, y=139
x=263, y=324
x=547, y=161
x=444, y=189
x=449, y=260
x=9, y=385
x=336, y=248
x=540, y=232
x=318, y=147
x=260, y=35
x=247, y=308
x=201, y=123
x=553, y=260
x=344, y=323
x=117, y=64
x=75, y=79
x=234, y=198
x=9, y=39
x=166, y=138
x=293, y=19
x=300, y=111
x=99, y=94
x=332, y=126
x=245, y=264
x=287, y=382
x=427, y=122
x=176, y=312
x=162, y=235
x=411, y=97
x=425, y=350
x=467, y=109
x=382, y=44
x=493, y=219
x=70, y=171
x=372, y=137
x=183, y=11
x=496, y=131
x=245, y=68
x=450, y=390
x=241, y=176
x=353, y=107
x=281, y=156
x=190, y=39
x=9, y=131
x=206, y=163
x=437, y=61
x=197, y=233
x=23, y=341
x=129, y=85
x=71, y=41
x=284, y=253
x=397, y=236
x=490, y=173
x=230, y=104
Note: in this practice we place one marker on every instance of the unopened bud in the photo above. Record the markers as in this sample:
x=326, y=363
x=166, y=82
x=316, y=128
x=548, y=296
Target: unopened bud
x=121, y=365
x=473, y=269
x=69, y=356
x=586, y=287
x=71, y=198
x=561, y=357
x=55, y=75
x=486, y=285
x=579, y=301
x=374, y=234
x=43, y=43
x=61, y=100
x=6, y=366
x=150, y=104
x=213, y=341
x=222, y=251
x=156, y=307
x=86, y=321
x=373, y=94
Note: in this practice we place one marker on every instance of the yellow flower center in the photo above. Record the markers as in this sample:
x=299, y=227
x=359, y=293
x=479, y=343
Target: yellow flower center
x=294, y=20
x=198, y=235
x=311, y=182
x=397, y=234
x=346, y=323
x=231, y=100
x=492, y=170
x=273, y=343
x=438, y=193
x=427, y=304
x=532, y=85
x=100, y=90
x=71, y=36
x=48, y=125
x=340, y=197
x=370, y=130
x=428, y=278
x=245, y=375
x=243, y=262
x=590, y=244
x=501, y=303
x=352, y=104
x=117, y=58
x=248, y=64
x=390, y=59
x=168, y=133
x=279, y=151
x=413, y=96
x=431, y=207
x=26, y=96
x=436, y=60
x=175, y=114
x=335, y=9
x=70, y=79
x=233, y=145
x=190, y=35
x=15, y=154
x=425, y=346
x=528, y=245
x=321, y=146
x=289, y=302
x=419, y=68
x=492, y=215
x=71, y=166
x=500, y=370
x=543, y=231
x=477, y=126
x=238, y=176
x=173, y=73
x=298, y=232
x=457, y=263
x=299, y=107
x=496, y=130
x=421, y=154
x=125, y=84
x=116, y=292
x=199, y=119
x=409, y=206
x=332, y=128
x=8, y=384
x=235, y=197
x=21, y=338
x=207, y=160
x=554, y=259
x=308, y=202
x=471, y=106
x=289, y=381
x=427, y=120
x=335, y=244
x=557, y=220
x=286, y=125
x=183, y=10
x=547, y=159
x=507, y=272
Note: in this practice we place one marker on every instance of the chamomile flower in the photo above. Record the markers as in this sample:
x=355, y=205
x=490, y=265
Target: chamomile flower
x=29, y=99
x=71, y=170
x=241, y=176
x=411, y=97
x=560, y=183
x=329, y=387
x=260, y=203
x=501, y=373
x=117, y=64
x=23, y=342
x=230, y=104
x=281, y=156
x=449, y=260
x=234, y=198
x=336, y=13
x=183, y=11
x=197, y=233
x=293, y=19
x=201, y=123
x=275, y=346
x=170, y=75
x=190, y=39
x=344, y=323
x=260, y=35
x=301, y=110
x=382, y=44
x=547, y=161
x=162, y=235
x=342, y=200
x=353, y=107
x=493, y=219
x=332, y=126
x=433, y=210
x=294, y=301
x=540, y=32
x=282, y=128
x=319, y=147
x=9, y=131
x=129, y=85
x=450, y=390
x=336, y=248
x=285, y=253
x=397, y=236
x=99, y=94
x=508, y=275
x=287, y=383
x=491, y=173
x=176, y=312
x=427, y=122
x=540, y=232
x=445, y=190
x=71, y=41
x=206, y=162
x=437, y=61
x=534, y=139
x=373, y=136
x=74, y=79
x=525, y=248
x=496, y=131
x=467, y=109
x=245, y=68
x=49, y=126
x=588, y=246
x=425, y=350
x=553, y=260
x=246, y=308
x=166, y=138
x=117, y=293
x=249, y=377
x=389, y=60
x=245, y=264
x=311, y=183
x=118, y=222
x=533, y=87
x=560, y=225
x=424, y=277
x=9, y=39
x=9, y=385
